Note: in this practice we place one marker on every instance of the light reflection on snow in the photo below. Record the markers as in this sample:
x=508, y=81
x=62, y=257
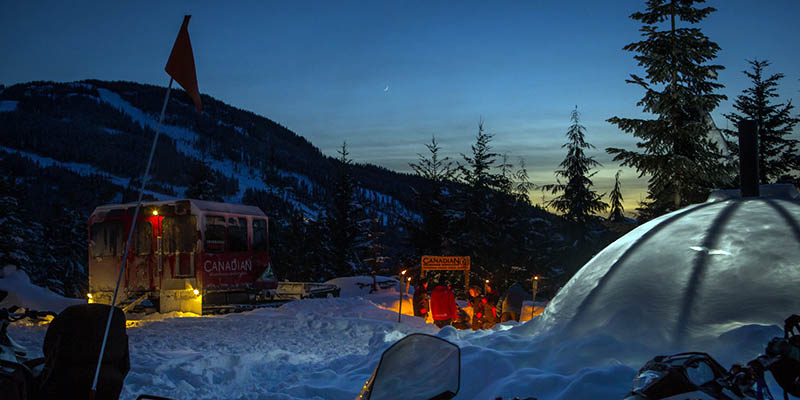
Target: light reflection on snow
x=710, y=251
x=393, y=336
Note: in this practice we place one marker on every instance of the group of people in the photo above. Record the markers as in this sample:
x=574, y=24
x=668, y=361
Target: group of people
x=488, y=307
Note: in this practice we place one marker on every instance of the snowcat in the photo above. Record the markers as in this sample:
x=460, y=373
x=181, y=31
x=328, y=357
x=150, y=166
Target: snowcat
x=185, y=255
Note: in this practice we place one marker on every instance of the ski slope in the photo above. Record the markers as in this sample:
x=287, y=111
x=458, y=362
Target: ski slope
x=718, y=277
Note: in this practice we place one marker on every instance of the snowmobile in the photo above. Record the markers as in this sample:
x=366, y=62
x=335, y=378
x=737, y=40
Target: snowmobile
x=402, y=373
x=67, y=369
x=17, y=370
x=698, y=376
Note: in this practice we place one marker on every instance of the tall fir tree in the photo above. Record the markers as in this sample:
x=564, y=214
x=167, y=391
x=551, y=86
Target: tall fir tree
x=615, y=197
x=522, y=184
x=477, y=170
x=437, y=171
x=577, y=201
x=777, y=153
x=374, y=249
x=682, y=163
x=341, y=223
x=477, y=226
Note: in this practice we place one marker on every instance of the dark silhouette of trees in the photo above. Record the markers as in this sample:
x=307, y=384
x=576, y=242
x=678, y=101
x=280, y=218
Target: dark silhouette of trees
x=615, y=198
x=577, y=201
x=682, y=163
x=777, y=153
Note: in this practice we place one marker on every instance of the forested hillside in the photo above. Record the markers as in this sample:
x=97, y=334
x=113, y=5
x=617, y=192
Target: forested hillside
x=66, y=148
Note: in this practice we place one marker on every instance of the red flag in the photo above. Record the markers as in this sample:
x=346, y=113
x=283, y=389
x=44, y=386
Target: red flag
x=180, y=65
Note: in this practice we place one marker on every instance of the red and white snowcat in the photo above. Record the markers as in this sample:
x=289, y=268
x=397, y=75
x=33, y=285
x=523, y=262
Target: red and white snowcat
x=186, y=255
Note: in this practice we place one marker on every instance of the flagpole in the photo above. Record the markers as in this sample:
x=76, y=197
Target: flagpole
x=93, y=391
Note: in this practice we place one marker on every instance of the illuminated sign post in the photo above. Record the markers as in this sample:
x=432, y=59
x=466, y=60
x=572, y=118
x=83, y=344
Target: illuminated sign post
x=444, y=263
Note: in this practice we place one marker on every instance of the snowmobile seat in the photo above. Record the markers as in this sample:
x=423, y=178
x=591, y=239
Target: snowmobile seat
x=71, y=348
x=16, y=381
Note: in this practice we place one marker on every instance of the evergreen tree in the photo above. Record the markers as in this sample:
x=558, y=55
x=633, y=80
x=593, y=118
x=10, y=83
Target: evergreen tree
x=22, y=241
x=616, y=214
x=477, y=172
x=477, y=226
x=578, y=202
x=777, y=154
x=203, y=185
x=67, y=233
x=437, y=173
x=271, y=174
x=505, y=179
x=522, y=184
x=341, y=224
x=373, y=247
x=681, y=161
x=15, y=233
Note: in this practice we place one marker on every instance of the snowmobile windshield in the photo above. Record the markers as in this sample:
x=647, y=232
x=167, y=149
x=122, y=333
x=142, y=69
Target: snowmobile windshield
x=419, y=366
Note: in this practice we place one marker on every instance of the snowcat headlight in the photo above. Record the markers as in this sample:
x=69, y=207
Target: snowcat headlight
x=645, y=379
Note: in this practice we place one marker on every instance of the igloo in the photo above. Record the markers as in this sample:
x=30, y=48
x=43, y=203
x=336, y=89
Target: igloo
x=685, y=278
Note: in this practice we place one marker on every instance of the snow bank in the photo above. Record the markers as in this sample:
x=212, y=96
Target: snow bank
x=22, y=293
x=386, y=297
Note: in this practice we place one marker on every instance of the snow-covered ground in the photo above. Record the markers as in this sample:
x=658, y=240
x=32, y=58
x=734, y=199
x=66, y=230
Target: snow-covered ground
x=718, y=277
x=22, y=293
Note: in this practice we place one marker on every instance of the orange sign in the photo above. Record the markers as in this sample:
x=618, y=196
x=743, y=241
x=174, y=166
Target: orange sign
x=442, y=263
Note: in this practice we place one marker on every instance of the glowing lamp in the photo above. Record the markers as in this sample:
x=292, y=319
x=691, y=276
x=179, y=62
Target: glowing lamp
x=536, y=278
x=196, y=292
x=89, y=295
x=155, y=212
x=403, y=273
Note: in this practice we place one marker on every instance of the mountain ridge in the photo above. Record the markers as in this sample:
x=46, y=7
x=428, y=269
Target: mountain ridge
x=68, y=147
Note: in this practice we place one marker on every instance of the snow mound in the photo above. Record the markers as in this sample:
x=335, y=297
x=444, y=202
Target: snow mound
x=22, y=293
x=681, y=281
x=386, y=297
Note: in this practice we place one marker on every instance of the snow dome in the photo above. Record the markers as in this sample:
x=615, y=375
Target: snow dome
x=681, y=281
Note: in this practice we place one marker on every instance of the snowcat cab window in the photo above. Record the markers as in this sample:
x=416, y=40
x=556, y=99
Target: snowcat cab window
x=107, y=239
x=144, y=238
x=179, y=234
x=237, y=235
x=259, y=236
x=214, y=234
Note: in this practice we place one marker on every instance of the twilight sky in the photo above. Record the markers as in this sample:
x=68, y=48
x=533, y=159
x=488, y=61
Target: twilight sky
x=320, y=67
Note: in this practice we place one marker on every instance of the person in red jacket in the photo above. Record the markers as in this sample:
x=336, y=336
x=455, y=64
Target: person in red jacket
x=443, y=305
x=421, y=298
x=491, y=296
x=483, y=313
